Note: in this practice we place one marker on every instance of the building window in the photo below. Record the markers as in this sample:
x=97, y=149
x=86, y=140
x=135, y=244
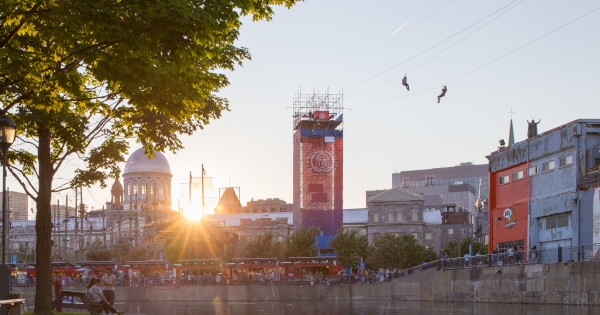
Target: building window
x=503, y=180
x=557, y=221
x=517, y=175
x=415, y=216
x=548, y=166
x=375, y=217
x=390, y=217
x=463, y=231
x=565, y=160
x=400, y=217
x=428, y=236
x=532, y=171
x=375, y=236
x=415, y=235
x=450, y=231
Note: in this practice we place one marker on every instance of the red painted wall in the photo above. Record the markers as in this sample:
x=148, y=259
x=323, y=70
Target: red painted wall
x=318, y=187
x=508, y=207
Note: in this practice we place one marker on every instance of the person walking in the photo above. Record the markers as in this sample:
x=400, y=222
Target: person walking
x=533, y=255
x=57, y=290
x=108, y=289
x=511, y=254
x=467, y=260
x=445, y=260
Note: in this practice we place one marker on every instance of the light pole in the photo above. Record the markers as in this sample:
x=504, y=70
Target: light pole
x=7, y=137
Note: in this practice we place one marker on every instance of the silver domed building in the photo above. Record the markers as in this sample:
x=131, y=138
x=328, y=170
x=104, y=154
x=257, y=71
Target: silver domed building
x=142, y=202
x=147, y=182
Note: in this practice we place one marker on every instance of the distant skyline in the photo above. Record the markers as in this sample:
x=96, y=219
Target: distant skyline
x=499, y=60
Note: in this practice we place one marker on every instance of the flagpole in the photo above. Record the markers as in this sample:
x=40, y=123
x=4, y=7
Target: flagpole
x=190, y=190
x=203, y=189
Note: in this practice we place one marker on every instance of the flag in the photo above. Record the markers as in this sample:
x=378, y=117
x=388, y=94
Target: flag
x=203, y=171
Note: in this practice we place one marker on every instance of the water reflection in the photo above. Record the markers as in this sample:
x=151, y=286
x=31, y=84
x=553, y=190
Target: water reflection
x=355, y=307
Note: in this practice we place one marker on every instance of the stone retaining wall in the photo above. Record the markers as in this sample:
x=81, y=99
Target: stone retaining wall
x=575, y=283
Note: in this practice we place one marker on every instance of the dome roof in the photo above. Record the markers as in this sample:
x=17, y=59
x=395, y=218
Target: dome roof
x=117, y=186
x=138, y=162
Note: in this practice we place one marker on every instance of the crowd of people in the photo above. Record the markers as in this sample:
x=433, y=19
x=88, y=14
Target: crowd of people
x=513, y=255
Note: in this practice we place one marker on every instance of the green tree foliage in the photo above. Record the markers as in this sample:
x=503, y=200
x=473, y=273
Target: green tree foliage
x=262, y=246
x=79, y=78
x=430, y=255
x=137, y=253
x=301, y=243
x=176, y=250
x=98, y=252
x=391, y=251
x=454, y=251
x=25, y=254
x=350, y=247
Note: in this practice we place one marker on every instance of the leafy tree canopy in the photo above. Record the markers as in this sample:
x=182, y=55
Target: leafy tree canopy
x=400, y=252
x=350, y=247
x=458, y=249
x=301, y=243
x=262, y=246
x=97, y=252
x=80, y=78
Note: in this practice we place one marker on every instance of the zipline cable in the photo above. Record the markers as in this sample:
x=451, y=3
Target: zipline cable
x=493, y=60
x=433, y=46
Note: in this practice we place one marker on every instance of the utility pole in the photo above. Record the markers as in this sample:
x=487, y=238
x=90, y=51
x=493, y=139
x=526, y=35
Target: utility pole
x=66, y=223
x=76, y=232
x=104, y=227
x=82, y=213
x=58, y=248
x=203, y=173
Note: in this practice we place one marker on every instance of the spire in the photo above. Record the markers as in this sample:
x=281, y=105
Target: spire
x=511, y=135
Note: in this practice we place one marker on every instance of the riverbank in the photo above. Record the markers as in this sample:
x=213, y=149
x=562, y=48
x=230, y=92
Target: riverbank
x=569, y=283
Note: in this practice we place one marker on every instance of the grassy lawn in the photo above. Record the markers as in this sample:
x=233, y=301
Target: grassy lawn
x=62, y=313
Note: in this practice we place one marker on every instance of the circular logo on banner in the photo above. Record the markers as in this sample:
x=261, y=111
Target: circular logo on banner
x=321, y=161
x=510, y=217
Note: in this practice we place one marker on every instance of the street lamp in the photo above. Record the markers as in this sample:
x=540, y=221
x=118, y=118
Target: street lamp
x=7, y=137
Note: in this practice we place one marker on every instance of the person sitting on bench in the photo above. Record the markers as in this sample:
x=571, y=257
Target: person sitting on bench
x=95, y=296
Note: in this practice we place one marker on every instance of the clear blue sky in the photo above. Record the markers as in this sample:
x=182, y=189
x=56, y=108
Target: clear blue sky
x=499, y=59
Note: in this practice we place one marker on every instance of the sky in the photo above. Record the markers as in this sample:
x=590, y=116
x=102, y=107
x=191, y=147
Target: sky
x=500, y=60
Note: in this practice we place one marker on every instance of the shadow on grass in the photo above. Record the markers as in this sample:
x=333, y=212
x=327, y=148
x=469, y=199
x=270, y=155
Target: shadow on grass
x=61, y=313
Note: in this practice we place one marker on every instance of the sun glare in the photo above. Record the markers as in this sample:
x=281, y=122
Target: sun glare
x=194, y=211
x=191, y=195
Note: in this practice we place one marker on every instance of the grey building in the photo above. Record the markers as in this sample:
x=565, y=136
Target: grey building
x=550, y=181
x=465, y=173
x=17, y=205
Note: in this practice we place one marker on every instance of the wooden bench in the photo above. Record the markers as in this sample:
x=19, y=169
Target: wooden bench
x=76, y=299
x=11, y=303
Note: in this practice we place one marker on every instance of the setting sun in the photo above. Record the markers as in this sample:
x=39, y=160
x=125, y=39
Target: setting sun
x=194, y=211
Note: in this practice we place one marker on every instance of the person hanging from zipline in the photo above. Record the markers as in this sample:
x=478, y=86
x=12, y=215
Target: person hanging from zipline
x=443, y=93
x=405, y=83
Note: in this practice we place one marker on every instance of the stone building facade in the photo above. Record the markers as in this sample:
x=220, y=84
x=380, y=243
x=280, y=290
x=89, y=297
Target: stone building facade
x=400, y=212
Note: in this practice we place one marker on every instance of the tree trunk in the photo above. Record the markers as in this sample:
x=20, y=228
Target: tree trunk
x=43, y=226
